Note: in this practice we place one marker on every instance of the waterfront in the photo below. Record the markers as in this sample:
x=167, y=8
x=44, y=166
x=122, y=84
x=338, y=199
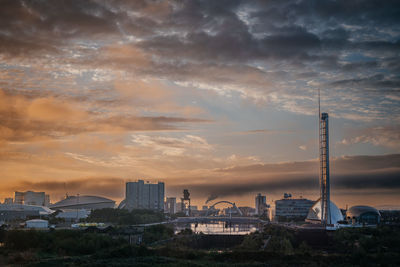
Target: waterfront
x=218, y=228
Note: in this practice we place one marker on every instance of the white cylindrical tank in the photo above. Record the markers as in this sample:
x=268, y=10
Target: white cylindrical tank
x=37, y=223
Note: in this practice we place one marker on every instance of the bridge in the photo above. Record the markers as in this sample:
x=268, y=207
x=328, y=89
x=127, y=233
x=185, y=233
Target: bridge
x=211, y=208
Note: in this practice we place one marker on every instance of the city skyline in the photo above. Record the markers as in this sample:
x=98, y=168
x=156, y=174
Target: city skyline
x=218, y=97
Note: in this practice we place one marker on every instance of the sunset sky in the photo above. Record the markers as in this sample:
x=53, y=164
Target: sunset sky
x=219, y=97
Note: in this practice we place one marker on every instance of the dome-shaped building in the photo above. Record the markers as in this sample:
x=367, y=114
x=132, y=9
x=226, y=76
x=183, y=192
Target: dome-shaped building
x=363, y=215
x=314, y=214
x=83, y=202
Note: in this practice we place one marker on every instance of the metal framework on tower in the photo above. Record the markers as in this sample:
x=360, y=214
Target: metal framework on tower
x=324, y=165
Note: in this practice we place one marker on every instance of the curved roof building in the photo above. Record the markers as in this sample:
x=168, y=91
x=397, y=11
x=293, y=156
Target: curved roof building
x=363, y=215
x=84, y=202
x=42, y=210
x=314, y=215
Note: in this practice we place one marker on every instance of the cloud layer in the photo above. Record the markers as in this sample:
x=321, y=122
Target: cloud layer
x=216, y=93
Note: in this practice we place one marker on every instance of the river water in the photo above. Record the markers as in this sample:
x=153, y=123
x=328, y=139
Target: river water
x=218, y=228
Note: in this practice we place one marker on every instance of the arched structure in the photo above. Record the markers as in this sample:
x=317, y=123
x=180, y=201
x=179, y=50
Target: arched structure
x=315, y=213
x=363, y=215
x=224, y=201
x=83, y=202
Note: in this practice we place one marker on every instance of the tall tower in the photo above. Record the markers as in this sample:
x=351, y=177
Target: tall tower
x=324, y=165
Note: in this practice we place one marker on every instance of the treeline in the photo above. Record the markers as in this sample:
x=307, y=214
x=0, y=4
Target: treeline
x=61, y=242
x=35, y=246
x=346, y=247
x=125, y=217
x=366, y=245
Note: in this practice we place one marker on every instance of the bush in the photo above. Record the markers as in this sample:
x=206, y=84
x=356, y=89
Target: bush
x=125, y=217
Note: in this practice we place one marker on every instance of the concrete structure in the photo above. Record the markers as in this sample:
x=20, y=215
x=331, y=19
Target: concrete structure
x=363, y=215
x=292, y=209
x=315, y=213
x=47, y=200
x=8, y=200
x=178, y=206
x=261, y=204
x=30, y=198
x=141, y=195
x=9, y=212
x=248, y=211
x=83, y=202
x=37, y=223
x=19, y=198
x=170, y=205
x=73, y=215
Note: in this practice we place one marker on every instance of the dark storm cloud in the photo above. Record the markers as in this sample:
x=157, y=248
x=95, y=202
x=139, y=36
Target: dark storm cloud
x=345, y=164
x=356, y=173
x=235, y=44
x=376, y=81
x=200, y=30
x=45, y=26
x=351, y=12
x=369, y=173
x=103, y=186
x=365, y=182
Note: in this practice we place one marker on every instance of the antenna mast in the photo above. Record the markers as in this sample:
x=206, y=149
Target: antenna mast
x=319, y=104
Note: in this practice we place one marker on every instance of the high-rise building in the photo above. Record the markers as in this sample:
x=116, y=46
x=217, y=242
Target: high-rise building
x=170, y=206
x=261, y=204
x=30, y=198
x=141, y=195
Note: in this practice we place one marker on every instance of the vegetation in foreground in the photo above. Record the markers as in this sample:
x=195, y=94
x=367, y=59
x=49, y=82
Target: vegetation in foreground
x=346, y=247
x=125, y=217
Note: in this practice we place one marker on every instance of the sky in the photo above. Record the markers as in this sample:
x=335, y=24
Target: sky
x=218, y=97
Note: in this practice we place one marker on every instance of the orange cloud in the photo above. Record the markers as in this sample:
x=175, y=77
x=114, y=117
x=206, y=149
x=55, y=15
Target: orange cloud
x=51, y=109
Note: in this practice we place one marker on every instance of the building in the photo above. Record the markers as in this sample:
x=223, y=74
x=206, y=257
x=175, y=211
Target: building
x=178, y=206
x=8, y=200
x=37, y=223
x=363, y=215
x=9, y=212
x=47, y=200
x=141, y=195
x=315, y=213
x=83, y=202
x=19, y=198
x=170, y=205
x=30, y=198
x=247, y=211
x=292, y=209
x=391, y=217
x=261, y=204
x=73, y=215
